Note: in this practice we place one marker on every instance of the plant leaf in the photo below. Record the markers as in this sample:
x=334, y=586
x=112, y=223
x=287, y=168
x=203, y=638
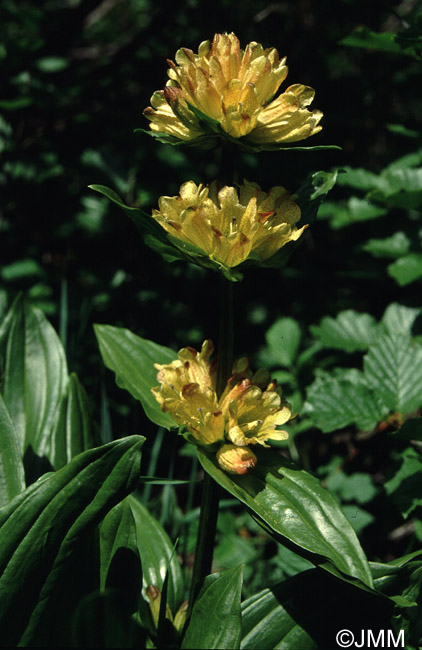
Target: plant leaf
x=35, y=380
x=393, y=368
x=306, y=611
x=121, y=568
x=132, y=359
x=41, y=530
x=74, y=432
x=335, y=402
x=283, y=339
x=216, y=616
x=405, y=487
x=293, y=504
x=406, y=269
x=157, y=556
x=349, y=331
x=12, y=475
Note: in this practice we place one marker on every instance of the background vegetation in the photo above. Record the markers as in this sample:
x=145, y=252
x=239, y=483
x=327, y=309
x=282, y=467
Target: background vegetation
x=77, y=77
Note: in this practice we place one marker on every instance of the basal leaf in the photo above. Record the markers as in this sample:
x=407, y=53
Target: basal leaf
x=349, y=331
x=294, y=505
x=216, y=616
x=12, y=475
x=132, y=359
x=40, y=531
x=393, y=368
x=74, y=431
x=35, y=379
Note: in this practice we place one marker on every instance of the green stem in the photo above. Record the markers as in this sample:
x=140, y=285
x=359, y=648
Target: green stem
x=211, y=491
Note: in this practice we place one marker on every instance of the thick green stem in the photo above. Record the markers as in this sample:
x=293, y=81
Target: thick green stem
x=211, y=491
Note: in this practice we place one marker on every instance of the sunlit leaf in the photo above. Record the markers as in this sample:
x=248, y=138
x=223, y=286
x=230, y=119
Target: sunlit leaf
x=294, y=506
x=132, y=359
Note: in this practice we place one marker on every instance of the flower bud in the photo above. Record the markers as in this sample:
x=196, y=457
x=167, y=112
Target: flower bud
x=236, y=460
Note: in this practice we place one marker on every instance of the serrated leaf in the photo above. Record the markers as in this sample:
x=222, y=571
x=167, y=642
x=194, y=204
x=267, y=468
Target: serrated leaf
x=405, y=487
x=283, y=339
x=399, y=319
x=334, y=403
x=12, y=475
x=406, y=269
x=157, y=554
x=35, y=379
x=132, y=359
x=40, y=531
x=393, y=368
x=216, y=616
x=349, y=331
x=294, y=506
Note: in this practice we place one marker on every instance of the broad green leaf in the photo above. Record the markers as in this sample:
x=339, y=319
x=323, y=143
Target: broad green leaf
x=306, y=611
x=389, y=247
x=132, y=359
x=12, y=476
x=283, y=339
x=35, y=376
x=121, y=568
x=216, y=617
x=293, y=504
x=355, y=487
x=157, y=556
x=349, y=331
x=334, y=403
x=393, y=368
x=41, y=531
x=399, y=319
x=405, y=487
x=74, y=431
x=406, y=269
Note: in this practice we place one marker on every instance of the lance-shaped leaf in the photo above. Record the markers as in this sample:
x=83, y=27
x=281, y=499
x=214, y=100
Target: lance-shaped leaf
x=132, y=359
x=157, y=554
x=216, y=616
x=35, y=375
x=306, y=611
x=74, y=431
x=40, y=530
x=393, y=368
x=291, y=504
x=12, y=476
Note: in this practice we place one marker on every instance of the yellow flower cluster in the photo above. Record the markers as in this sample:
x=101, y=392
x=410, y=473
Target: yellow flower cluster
x=247, y=413
x=230, y=225
x=236, y=89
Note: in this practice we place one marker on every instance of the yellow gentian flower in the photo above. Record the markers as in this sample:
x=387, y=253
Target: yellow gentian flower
x=247, y=413
x=231, y=225
x=224, y=91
